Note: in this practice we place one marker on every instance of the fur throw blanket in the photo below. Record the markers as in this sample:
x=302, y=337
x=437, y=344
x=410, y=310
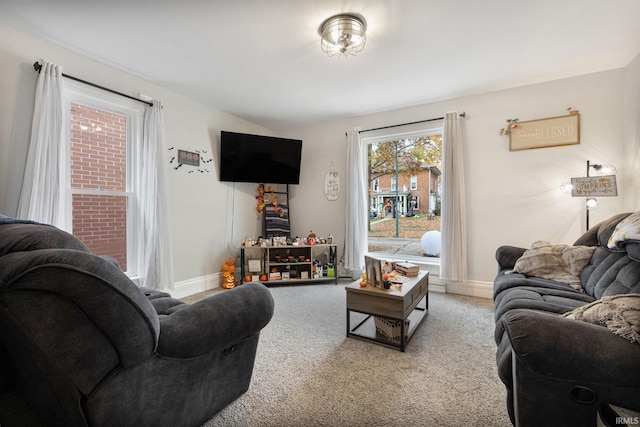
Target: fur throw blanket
x=619, y=313
x=562, y=263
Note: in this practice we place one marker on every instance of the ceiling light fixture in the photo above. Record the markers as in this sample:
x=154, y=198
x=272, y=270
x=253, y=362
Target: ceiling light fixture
x=343, y=34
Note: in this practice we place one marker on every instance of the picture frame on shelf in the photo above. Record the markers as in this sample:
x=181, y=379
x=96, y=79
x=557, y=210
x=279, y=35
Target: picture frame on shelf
x=254, y=265
x=373, y=268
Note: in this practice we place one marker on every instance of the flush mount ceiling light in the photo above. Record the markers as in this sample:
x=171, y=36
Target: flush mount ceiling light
x=343, y=34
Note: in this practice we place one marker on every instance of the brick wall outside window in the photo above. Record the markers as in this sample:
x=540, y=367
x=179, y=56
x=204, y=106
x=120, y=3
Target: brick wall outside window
x=99, y=162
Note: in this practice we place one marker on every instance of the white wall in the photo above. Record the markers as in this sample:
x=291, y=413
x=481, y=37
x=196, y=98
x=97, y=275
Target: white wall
x=632, y=134
x=199, y=212
x=512, y=197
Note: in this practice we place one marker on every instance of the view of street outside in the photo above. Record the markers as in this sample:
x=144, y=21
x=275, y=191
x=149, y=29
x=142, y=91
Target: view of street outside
x=405, y=182
x=382, y=234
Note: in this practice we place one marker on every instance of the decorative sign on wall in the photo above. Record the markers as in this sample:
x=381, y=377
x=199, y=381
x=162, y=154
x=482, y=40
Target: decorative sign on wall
x=551, y=132
x=332, y=185
x=188, y=158
x=594, y=186
x=194, y=158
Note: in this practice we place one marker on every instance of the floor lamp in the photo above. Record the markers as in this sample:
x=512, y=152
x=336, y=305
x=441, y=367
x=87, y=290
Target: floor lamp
x=602, y=184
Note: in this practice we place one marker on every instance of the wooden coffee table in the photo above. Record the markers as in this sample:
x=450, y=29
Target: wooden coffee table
x=391, y=304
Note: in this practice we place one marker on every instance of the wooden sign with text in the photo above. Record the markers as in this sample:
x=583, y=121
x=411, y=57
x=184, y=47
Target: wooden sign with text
x=594, y=186
x=551, y=132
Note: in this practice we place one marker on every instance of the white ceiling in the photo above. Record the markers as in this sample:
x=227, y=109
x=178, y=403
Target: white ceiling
x=261, y=60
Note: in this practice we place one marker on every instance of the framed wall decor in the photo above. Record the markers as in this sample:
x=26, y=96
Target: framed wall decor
x=550, y=132
x=188, y=158
x=332, y=185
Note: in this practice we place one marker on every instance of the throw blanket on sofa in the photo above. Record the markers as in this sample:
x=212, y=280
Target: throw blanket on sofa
x=562, y=263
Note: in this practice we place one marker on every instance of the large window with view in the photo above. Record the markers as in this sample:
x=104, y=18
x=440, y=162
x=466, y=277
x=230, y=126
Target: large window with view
x=102, y=134
x=404, y=193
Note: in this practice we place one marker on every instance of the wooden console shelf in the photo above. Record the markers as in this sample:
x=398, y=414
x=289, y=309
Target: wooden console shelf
x=302, y=263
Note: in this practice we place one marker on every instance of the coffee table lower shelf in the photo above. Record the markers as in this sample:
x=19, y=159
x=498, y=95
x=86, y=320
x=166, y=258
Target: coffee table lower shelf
x=366, y=329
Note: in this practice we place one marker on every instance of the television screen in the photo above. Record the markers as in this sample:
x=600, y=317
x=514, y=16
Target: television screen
x=256, y=158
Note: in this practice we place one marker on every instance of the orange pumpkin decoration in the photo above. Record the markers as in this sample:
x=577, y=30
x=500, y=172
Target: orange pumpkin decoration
x=229, y=261
x=247, y=278
x=263, y=278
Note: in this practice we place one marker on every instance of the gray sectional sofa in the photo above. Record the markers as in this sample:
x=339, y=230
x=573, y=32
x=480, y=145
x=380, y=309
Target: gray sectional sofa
x=560, y=367
x=85, y=346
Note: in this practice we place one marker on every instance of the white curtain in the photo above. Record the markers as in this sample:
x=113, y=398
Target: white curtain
x=453, y=258
x=156, y=261
x=356, y=193
x=43, y=189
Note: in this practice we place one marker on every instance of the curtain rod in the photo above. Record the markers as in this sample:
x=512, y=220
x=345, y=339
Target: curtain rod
x=463, y=114
x=37, y=66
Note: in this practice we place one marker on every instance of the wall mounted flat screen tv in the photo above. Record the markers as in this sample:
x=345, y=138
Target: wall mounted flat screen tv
x=256, y=158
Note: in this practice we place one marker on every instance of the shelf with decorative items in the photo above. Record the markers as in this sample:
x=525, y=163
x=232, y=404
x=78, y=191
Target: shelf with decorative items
x=289, y=263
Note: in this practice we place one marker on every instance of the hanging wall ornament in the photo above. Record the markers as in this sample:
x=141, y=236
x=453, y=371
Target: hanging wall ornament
x=332, y=185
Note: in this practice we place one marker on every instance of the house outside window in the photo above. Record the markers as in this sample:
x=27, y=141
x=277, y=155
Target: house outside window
x=103, y=134
x=400, y=208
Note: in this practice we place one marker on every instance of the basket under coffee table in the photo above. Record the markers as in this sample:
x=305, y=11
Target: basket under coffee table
x=411, y=303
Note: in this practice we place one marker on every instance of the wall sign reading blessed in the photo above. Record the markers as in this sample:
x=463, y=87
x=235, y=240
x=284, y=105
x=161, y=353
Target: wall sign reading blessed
x=551, y=132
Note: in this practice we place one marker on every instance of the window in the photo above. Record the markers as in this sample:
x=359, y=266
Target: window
x=103, y=133
x=400, y=210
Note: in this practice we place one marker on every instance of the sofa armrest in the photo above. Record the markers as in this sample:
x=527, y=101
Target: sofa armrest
x=507, y=256
x=215, y=323
x=572, y=350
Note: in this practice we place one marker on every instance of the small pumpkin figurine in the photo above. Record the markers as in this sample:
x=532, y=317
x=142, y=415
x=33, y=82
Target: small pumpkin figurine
x=228, y=276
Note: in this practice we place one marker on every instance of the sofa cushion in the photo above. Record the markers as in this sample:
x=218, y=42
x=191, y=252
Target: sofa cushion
x=515, y=291
x=610, y=273
x=602, y=230
x=562, y=263
x=627, y=230
x=619, y=313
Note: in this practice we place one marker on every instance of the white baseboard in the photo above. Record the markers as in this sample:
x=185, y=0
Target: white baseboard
x=195, y=285
x=469, y=288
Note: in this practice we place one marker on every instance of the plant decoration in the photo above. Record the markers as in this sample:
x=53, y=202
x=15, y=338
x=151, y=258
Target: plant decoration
x=511, y=124
x=267, y=196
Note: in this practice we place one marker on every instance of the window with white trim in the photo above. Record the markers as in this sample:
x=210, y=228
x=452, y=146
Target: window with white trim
x=402, y=209
x=103, y=134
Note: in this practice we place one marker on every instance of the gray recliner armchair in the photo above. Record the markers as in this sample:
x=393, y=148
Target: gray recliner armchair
x=85, y=346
